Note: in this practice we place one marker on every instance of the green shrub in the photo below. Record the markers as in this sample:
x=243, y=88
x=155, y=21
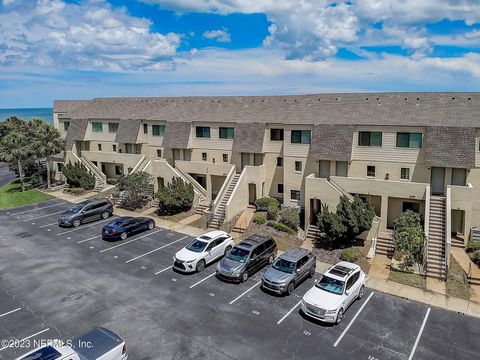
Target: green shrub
x=476, y=257
x=135, y=189
x=259, y=219
x=112, y=181
x=282, y=227
x=263, y=203
x=79, y=176
x=349, y=255
x=473, y=246
x=290, y=216
x=175, y=198
x=76, y=191
x=409, y=237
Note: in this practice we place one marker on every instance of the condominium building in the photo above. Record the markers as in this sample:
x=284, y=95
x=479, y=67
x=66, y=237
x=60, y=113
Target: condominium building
x=417, y=151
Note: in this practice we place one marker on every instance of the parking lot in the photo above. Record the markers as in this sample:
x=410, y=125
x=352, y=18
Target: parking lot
x=59, y=282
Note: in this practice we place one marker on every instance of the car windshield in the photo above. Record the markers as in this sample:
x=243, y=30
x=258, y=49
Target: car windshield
x=238, y=254
x=331, y=285
x=197, y=246
x=284, y=266
x=77, y=208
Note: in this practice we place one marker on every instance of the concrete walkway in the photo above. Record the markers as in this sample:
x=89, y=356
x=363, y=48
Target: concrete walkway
x=243, y=221
x=464, y=260
x=380, y=267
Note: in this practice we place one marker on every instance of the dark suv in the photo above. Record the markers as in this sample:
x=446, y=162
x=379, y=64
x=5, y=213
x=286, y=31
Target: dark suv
x=86, y=211
x=246, y=258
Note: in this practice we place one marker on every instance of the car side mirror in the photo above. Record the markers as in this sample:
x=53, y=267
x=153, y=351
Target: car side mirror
x=347, y=292
x=298, y=270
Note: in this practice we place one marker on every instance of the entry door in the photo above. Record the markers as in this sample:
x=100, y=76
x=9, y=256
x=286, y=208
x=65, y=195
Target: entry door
x=437, y=180
x=252, y=193
x=314, y=210
x=324, y=168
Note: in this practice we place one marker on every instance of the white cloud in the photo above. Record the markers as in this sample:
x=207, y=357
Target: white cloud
x=220, y=35
x=315, y=29
x=89, y=36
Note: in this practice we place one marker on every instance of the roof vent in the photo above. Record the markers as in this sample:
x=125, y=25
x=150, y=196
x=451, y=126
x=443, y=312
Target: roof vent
x=469, y=99
x=406, y=98
x=336, y=99
x=295, y=100
x=418, y=99
x=366, y=98
x=284, y=100
x=453, y=98
x=378, y=99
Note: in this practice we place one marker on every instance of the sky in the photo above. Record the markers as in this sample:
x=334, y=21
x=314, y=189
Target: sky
x=81, y=49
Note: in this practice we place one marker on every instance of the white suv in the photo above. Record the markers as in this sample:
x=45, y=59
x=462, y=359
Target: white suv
x=202, y=251
x=337, y=289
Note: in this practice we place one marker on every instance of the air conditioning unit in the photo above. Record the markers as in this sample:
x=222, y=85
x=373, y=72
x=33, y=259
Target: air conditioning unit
x=475, y=233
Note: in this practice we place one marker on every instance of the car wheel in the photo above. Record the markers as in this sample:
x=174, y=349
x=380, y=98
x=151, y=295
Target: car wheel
x=270, y=259
x=200, y=266
x=151, y=225
x=339, y=317
x=105, y=215
x=244, y=276
x=290, y=288
x=311, y=274
x=123, y=235
x=76, y=222
x=361, y=292
x=227, y=249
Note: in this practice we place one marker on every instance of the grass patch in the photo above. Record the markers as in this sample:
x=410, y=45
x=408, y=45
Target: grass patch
x=284, y=240
x=200, y=223
x=176, y=217
x=11, y=195
x=457, y=283
x=409, y=279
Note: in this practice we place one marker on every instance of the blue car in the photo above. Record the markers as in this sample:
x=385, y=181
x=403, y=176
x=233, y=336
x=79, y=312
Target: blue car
x=124, y=226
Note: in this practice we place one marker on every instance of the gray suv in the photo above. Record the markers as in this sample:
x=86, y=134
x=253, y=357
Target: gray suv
x=246, y=258
x=289, y=270
x=86, y=211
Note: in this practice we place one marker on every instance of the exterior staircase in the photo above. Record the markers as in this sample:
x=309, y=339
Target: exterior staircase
x=217, y=216
x=200, y=209
x=436, y=262
x=313, y=232
x=384, y=244
x=100, y=178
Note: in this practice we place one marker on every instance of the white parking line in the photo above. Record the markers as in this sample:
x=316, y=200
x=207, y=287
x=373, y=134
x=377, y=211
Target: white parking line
x=36, y=209
x=354, y=318
x=199, y=282
x=39, y=217
x=238, y=297
x=152, y=251
x=10, y=312
x=44, y=226
x=288, y=313
x=419, y=335
x=91, y=238
x=161, y=271
x=28, y=337
x=128, y=242
x=87, y=226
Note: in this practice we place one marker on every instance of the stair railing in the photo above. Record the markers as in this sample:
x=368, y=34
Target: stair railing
x=341, y=189
x=220, y=195
x=425, y=256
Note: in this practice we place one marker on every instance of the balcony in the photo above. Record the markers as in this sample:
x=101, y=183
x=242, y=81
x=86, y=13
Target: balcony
x=203, y=167
x=461, y=197
x=128, y=160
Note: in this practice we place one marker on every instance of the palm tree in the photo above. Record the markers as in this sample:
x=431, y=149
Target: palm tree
x=48, y=142
x=16, y=147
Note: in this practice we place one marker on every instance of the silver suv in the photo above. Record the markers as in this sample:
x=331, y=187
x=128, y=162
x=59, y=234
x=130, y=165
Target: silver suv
x=289, y=270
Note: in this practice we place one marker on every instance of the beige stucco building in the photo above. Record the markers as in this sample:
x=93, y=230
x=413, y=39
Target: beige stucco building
x=416, y=151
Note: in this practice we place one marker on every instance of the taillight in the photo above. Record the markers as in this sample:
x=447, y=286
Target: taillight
x=124, y=350
x=114, y=231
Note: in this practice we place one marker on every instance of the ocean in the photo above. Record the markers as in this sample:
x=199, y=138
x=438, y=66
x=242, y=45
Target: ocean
x=28, y=113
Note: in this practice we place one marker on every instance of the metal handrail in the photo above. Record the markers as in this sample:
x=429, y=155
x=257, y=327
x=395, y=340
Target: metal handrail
x=425, y=255
x=342, y=190
x=469, y=274
x=200, y=189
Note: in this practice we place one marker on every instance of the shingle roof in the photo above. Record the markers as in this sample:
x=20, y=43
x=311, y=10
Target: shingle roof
x=249, y=138
x=419, y=109
x=76, y=131
x=127, y=131
x=450, y=147
x=176, y=135
x=68, y=106
x=332, y=142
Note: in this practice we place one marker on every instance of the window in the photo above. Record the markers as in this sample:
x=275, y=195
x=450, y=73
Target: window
x=112, y=127
x=369, y=138
x=202, y=131
x=145, y=128
x=295, y=194
x=301, y=136
x=97, y=127
x=158, y=130
x=99, y=147
x=225, y=158
x=66, y=124
x=459, y=176
x=114, y=148
x=257, y=159
x=405, y=173
x=279, y=161
x=352, y=280
x=280, y=188
x=159, y=153
x=204, y=156
x=60, y=167
x=409, y=140
x=413, y=206
x=276, y=134
x=301, y=262
x=371, y=171
x=298, y=166
x=226, y=132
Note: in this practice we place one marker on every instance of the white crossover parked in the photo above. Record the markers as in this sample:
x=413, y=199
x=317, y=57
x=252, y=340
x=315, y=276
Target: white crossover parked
x=202, y=251
x=331, y=296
